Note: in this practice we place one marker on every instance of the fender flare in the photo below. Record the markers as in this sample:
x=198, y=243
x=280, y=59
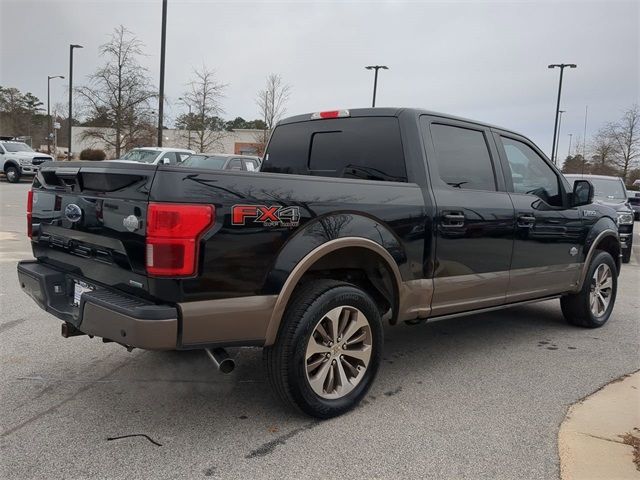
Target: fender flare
x=312, y=257
x=11, y=163
x=607, y=232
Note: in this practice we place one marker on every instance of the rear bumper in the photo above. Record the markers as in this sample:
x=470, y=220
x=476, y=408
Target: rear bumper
x=103, y=312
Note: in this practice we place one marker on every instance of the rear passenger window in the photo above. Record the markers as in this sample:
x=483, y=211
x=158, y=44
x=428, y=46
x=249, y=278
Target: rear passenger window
x=363, y=147
x=462, y=158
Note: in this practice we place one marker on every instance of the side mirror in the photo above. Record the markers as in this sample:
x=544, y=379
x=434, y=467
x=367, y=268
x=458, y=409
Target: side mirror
x=582, y=193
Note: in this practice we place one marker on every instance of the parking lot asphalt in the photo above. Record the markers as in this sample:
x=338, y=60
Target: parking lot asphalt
x=475, y=397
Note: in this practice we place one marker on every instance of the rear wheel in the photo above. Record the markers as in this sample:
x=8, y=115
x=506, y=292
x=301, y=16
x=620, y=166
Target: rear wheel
x=13, y=174
x=328, y=349
x=626, y=255
x=592, y=306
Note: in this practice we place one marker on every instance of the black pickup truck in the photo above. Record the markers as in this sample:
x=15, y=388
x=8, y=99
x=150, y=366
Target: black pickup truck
x=356, y=217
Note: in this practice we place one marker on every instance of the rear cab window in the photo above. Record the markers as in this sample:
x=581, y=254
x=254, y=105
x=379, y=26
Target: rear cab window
x=367, y=148
x=462, y=157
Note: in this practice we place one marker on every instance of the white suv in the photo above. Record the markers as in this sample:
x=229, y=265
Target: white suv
x=156, y=155
x=18, y=159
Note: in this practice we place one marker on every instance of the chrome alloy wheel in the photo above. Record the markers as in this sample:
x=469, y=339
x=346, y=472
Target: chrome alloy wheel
x=601, y=290
x=338, y=352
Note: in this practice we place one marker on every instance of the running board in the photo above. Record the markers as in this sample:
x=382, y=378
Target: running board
x=489, y=309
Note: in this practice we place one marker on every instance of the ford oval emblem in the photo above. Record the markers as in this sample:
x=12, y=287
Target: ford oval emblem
x=73, y=213
x=131, y=223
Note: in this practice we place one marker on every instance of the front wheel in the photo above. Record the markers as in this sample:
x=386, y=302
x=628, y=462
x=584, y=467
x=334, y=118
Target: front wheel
x=626, y=255
x=591, y=307
x=13, y=174
x=328, y=349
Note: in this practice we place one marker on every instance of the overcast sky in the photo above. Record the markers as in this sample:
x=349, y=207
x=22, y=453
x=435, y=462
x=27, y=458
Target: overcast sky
x=482, y=60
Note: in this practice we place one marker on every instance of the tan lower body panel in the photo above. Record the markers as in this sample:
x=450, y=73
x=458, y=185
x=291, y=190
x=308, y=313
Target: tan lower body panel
x=147, y=334
x=528, y=283
x=415, y=299
x=468, y=292
x=229, y=320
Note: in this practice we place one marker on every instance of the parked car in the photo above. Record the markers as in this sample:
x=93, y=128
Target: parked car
x=357, y=216
x=18, y=159
x=611, y=191
x=157, y=155
x=219, y=161
x=634, y=203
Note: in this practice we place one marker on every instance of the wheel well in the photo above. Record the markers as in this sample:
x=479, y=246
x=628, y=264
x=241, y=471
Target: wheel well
x=611, y=245
x=361, y=267
x=9, y=163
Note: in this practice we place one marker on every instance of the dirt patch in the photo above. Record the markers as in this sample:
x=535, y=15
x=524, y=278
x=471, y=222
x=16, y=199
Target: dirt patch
x=634, y=440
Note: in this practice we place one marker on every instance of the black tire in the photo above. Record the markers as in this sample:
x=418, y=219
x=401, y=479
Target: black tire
x=285, y=360
x=626, y=255
x=12, y=173
x=576, y=308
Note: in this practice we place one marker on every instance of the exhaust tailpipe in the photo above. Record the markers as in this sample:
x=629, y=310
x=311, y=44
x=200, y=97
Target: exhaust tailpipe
x=221, y=359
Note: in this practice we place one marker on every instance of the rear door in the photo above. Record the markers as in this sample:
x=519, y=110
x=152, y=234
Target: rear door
x=549, y=234
x=474, y=217
x=90, y=220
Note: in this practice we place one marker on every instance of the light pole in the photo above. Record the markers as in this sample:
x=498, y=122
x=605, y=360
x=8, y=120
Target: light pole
x=71, y=47
x=163, y=44
x=569, y=151
x=49, y=77
x=188, y=122
x=561, y=66
x=375, y=79
x=555, y=155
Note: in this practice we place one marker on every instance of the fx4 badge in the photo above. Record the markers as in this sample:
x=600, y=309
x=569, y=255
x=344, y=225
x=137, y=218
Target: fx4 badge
x=269, y=216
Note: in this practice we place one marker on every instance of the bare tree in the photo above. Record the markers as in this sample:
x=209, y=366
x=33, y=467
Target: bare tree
x=204, y=97
x=626, y=138
x=120, y=92
x=602, y=150
x=272, y=101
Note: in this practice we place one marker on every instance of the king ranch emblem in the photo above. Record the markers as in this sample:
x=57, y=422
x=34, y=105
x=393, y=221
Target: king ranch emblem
x=269, y=216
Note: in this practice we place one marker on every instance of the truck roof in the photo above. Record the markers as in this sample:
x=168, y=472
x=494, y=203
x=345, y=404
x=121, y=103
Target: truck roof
x=394, y=112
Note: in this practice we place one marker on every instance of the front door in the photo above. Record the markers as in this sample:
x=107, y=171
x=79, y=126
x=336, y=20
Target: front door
x=474, y=217
x=548, y=233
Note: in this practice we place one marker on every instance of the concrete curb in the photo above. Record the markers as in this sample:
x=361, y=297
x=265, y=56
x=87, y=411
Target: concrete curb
x=590, y=439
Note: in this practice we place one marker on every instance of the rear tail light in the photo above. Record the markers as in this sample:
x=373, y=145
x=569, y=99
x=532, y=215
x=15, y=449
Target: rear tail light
x=174, y=231
x=330, y=114
x=30, y=214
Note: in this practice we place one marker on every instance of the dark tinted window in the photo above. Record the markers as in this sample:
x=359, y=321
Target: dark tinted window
x=463, y=158
x=366, y=147
x=530, y=173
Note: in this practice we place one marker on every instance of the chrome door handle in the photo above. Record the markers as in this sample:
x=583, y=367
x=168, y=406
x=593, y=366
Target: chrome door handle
x=526, y=221
x=452, y=220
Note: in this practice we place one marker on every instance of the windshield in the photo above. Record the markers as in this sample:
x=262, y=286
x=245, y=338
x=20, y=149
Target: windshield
x=606, y=188
x=16, y=147
x=214, y=162
x=138, y=155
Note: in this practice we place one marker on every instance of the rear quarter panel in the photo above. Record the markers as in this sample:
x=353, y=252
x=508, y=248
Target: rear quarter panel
x=254, y=259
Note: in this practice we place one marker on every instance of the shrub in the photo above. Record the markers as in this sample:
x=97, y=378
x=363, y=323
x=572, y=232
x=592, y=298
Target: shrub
x=92, y=154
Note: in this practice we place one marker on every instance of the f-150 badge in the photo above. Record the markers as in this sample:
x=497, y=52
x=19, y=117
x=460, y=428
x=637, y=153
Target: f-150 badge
x=269, y=216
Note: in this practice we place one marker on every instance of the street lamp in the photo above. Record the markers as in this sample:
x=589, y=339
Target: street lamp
x=569, y=151
x=375, y=79
x=71, y=47
x=188, y=122
x=49, y=133
x=163, y=44
x=559, y=125
x=561, y=66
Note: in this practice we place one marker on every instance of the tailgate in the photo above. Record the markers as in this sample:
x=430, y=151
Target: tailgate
x=90, y=219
